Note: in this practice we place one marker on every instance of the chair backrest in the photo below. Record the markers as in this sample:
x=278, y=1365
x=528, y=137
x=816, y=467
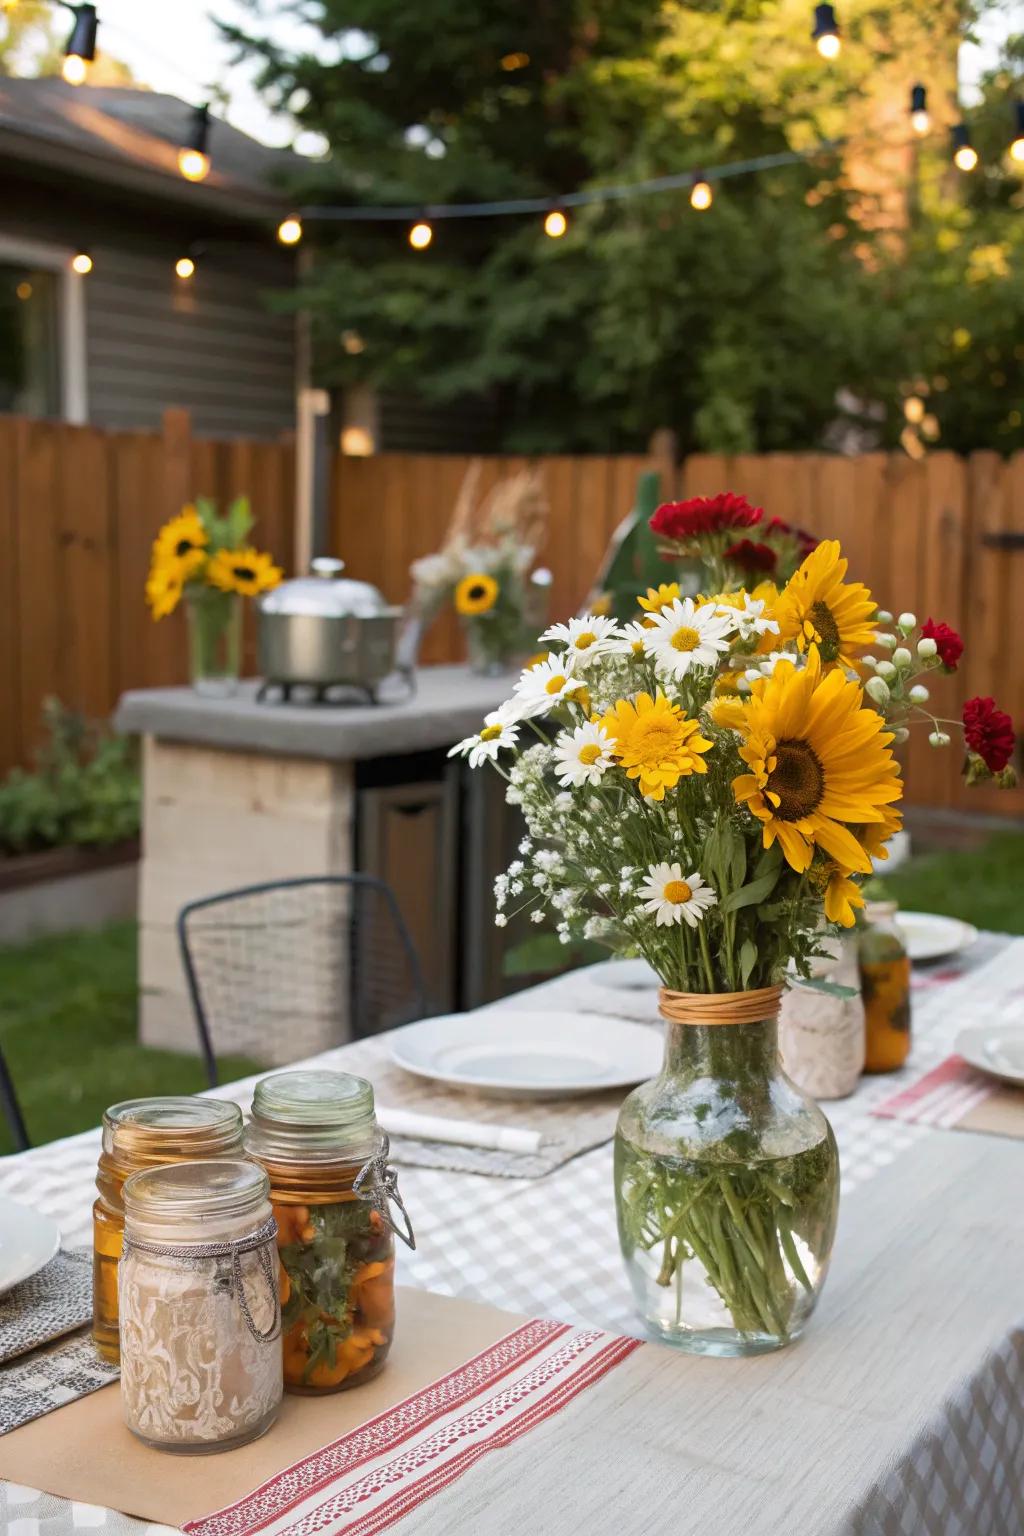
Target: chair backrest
x=11, y=1108
x=280, y=971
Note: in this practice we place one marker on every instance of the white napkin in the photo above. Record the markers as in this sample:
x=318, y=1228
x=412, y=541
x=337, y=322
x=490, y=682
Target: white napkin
x=461, y=1133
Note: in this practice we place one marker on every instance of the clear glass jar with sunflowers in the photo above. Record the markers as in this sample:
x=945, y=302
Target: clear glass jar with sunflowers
x=206, y=561
x=720, y=775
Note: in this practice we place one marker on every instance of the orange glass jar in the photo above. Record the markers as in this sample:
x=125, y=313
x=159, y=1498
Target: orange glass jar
x=316, y=1135
x=885, y=987
x=137, y=1134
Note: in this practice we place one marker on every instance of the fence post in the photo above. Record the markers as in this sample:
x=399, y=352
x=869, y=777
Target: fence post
x=663, y=450
x=177, y=460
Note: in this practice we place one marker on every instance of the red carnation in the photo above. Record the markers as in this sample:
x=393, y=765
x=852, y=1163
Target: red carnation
x=685, y=520
x=806, y=542
x=988, y=731
x=948, y=643
x=752, y=557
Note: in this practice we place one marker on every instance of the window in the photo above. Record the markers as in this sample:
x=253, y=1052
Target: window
x=42, y=331
x=29, y=340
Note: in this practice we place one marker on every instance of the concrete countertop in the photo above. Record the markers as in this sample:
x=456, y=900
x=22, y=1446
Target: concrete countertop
x=449, y=703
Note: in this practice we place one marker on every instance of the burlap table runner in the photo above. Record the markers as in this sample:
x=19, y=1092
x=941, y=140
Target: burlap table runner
x=955, y=1097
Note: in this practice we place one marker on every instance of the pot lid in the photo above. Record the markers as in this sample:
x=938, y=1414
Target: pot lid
x=325, y=592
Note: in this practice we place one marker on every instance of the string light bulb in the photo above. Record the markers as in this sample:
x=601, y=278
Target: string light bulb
x=920, y=117
x=81, y=263
x=80, y=49
x=193, y=160
x=1017, y=146
x=965, y=156
x=825, y=32
x=555, y=224
x=289, y=231
x=701, y=195
x=420, y=235
x=185, y=267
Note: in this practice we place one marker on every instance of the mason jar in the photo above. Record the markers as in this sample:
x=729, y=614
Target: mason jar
x=137, y=1134
x=885, y=984
x=200, y=1322
x=317, y=1136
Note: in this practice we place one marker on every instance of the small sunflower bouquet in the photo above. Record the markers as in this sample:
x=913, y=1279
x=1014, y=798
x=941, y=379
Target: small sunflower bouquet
x=706, y=787
x=207, y=560
x=485, y=569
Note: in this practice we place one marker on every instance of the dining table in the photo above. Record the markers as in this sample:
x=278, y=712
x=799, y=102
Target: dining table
x=900, y=1410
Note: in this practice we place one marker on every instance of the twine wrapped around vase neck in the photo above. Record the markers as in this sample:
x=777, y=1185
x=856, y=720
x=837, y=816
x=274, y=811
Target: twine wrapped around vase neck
x=720, y=1007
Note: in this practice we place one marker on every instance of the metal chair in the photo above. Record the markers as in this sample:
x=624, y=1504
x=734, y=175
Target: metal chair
x=283, y=970
x=11, y=1108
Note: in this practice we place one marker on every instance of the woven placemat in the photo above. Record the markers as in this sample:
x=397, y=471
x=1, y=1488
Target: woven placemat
x=568, y=1126
x=48, y=1305
x=47, y=1378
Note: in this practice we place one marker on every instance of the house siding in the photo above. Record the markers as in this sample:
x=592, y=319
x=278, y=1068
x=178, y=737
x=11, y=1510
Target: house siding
x=210, y=344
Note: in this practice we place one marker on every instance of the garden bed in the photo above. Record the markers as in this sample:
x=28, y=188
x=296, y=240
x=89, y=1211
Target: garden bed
x=59, y=890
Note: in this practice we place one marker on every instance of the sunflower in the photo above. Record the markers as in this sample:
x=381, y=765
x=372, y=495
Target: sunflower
x=246, y=571
x=818, y=608
x=476, y=593
x=655, y=742
x=659, y=597
x=842, y=895
x=164, y=587
x=876, y=835
x=820, y=764
x=184, y=539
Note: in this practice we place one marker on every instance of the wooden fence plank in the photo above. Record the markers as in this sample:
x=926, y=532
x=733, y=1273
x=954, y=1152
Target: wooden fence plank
x=11, y=748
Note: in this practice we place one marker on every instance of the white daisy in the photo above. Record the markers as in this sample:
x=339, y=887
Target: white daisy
x=675, y=898
x=498, y=730
x=766, y=665
x=544, y=685
x=749, y=619
x=630, y=639
x=683, y=636
x=583, y=755
x=592, y=635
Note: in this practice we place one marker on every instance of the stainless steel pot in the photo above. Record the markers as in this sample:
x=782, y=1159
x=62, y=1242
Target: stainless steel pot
x=325, y=630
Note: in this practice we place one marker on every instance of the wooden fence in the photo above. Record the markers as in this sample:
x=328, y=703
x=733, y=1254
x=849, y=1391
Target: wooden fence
x=79, y=508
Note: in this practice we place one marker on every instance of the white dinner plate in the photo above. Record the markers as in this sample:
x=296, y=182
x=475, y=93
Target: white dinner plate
x=930, y=937
x=511, y=1055
x=28, y=1240
x=624, y=975
x=996, y=1048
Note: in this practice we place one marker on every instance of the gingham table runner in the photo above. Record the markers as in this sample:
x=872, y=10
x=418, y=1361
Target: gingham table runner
x=547, y=1247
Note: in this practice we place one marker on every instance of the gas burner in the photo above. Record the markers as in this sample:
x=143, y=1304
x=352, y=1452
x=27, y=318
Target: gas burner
x=340, y=695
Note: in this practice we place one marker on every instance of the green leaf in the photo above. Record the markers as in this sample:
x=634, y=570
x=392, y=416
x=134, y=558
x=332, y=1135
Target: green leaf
x=239, y=521
x=748, y=959
x=830, y=988
x=748, y=895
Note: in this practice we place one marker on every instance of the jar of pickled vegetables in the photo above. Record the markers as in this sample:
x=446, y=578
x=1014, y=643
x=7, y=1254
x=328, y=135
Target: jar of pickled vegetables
x=316, y=1135
x=137, y=1134
x=199, y=1311
x=885, y=986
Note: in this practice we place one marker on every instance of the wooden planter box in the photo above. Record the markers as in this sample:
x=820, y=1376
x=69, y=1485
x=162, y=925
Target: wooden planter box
x=63, y=889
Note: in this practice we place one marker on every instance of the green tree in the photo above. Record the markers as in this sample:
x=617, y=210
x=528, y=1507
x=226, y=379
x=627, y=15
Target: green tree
x=30, y=38
x=737, y=326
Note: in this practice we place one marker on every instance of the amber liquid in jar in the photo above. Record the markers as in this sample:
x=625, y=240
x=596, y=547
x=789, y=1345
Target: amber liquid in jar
x=885, y=988
x=137, y=1134
x=314, y=1133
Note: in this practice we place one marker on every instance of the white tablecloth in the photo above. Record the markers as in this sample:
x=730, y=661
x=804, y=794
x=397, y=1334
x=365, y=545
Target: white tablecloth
x=547, y=1247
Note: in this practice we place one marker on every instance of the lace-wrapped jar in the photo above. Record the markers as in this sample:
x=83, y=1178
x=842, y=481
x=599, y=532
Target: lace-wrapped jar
x=317, y=1136
x=200, y=1321
x=137, y=1134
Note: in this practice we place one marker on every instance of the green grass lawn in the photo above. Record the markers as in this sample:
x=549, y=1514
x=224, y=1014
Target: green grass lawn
x=67, y=1029
x=68, y=1004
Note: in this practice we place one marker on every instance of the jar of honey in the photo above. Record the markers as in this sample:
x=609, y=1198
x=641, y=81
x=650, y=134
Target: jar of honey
x=885, y=987
x=137, y=1134
x=317, y=1136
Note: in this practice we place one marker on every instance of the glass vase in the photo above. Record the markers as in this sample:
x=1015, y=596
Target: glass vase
x=492, y=646
x=214, y=640
x=726, y=1186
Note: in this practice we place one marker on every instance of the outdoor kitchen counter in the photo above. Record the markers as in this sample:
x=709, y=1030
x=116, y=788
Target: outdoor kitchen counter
x=448, y=704
x=237, y=793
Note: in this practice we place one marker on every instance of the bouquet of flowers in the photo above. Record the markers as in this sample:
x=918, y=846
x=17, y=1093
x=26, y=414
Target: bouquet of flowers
x=207, y=560
x=706, y=787
x=484, y=568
